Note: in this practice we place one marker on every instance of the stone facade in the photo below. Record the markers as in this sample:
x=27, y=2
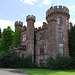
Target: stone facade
x=51, y=39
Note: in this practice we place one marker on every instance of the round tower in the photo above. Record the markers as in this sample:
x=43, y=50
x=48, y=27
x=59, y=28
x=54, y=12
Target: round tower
x=58, y=21
x=30, y=30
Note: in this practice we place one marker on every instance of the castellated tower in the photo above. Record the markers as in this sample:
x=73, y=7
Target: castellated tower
x=19, y=24
x=30, y=30
x=58, y=21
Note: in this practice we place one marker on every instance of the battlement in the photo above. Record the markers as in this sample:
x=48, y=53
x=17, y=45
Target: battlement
x=30, y=17
x=41, y=28
x=19, y=23
x=57, y=9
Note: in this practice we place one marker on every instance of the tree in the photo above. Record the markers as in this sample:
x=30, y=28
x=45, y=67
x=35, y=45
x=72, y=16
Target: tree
x=17, y=37
x=7, y=37
x=0, y=38
x=72, y=41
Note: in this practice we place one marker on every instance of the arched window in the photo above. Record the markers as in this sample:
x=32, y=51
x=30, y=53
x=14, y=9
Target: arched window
x=60, y=32
x=59, y=20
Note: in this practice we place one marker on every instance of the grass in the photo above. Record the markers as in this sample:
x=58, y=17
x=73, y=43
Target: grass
x=36, y=71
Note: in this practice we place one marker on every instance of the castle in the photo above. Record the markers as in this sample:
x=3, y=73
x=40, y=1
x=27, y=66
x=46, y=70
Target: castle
x=50, y=40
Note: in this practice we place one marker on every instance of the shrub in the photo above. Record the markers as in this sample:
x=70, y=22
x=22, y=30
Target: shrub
x=13, y=60
x=61, y=63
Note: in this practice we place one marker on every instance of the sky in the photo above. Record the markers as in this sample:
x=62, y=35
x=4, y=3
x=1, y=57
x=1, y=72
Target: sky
x=17, y=10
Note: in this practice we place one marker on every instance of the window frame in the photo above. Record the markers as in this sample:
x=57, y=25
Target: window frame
x=59, y=20
x=60, y=32
x=61, y=49
x=23, y=37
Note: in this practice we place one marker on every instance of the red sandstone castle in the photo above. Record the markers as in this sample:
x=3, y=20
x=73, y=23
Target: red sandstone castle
x=51, y=39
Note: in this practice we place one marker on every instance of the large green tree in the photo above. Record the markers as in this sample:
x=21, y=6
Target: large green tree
x=0, y=38
x=72, y=41
x=6, y=40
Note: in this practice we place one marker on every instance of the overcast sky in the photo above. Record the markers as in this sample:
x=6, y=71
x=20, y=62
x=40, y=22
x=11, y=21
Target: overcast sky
x=17, y=10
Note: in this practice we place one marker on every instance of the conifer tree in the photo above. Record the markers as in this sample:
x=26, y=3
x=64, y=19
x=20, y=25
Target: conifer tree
x=72, y=41
x=6, y=40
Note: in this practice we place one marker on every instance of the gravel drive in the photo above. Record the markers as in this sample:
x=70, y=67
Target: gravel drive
x=11, y=72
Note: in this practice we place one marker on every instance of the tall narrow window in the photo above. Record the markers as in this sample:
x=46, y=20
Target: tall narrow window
x=61, y=49
x=60, y=32
x=42, y=50
x=60, y=20
x=24, y=37
x=66, y=21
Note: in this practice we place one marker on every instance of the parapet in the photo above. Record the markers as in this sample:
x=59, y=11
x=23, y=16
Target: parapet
x=30, y=17
x=19, y=23
x=57, y=9
x=24, y=28
x=41, y=28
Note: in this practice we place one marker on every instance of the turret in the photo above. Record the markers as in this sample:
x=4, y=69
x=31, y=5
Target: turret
x=19, y=24
x=30, y=17
x=58, y=22
x=30, y=30
x=30, y=26
x=57, y=10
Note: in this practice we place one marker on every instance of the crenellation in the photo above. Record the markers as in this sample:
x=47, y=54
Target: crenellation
x=19, y=23
x=57, y=9
x=30, y=17
x=51, y=8
x=60, y=7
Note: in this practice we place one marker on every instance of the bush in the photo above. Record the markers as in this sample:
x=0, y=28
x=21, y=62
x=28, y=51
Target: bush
x=50, y=63
x=61, y=63
x=13, y=60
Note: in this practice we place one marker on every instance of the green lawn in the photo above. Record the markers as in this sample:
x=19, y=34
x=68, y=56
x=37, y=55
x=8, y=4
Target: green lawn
x=49, y=72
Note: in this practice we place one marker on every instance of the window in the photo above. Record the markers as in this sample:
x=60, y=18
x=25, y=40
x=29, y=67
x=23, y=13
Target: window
x=60, y=32
x=66, y=21
x=59, y=20
x=42, y=50
x=24, y=37
x=61, y=49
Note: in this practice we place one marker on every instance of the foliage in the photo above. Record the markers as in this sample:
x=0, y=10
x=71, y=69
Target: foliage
x=61, y=63
x=17, y=37
x=6, y=40
x=72, y=41
x=13, y=60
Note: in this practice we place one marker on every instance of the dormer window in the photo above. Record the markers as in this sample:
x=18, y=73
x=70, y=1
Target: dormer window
x=59, y=20
x=24, y=38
